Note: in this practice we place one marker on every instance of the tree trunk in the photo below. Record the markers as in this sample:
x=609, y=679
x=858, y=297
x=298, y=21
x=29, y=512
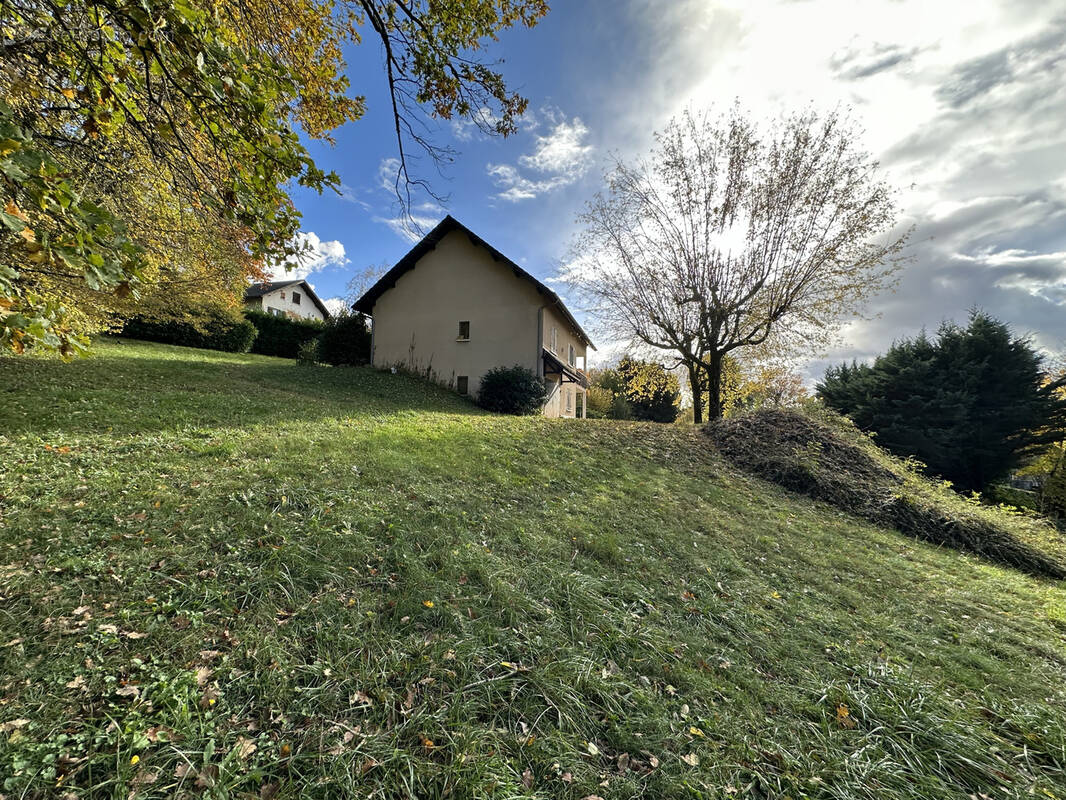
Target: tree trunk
x=714, y=386
x=695, y=384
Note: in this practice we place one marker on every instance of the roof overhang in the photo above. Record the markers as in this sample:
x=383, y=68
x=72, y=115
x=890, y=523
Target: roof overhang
x=553, y=365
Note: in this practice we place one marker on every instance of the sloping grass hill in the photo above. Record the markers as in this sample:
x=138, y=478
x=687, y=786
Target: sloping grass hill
x=232, y=576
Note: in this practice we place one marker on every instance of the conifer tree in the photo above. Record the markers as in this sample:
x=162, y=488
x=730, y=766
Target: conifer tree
x=972, y=404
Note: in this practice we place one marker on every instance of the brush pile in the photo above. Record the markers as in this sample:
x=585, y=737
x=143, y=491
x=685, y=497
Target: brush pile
x=832, y=462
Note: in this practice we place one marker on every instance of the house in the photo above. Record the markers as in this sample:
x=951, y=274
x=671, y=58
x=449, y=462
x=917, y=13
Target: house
x=294, y=299
x=455, y=307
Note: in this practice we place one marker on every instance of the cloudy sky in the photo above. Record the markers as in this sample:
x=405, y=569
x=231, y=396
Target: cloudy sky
x=963, y=103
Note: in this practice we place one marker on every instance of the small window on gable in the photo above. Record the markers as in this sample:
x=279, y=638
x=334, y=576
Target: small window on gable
x=464, y=331
x=462, y=384
x=296, y=298
x=571, y=356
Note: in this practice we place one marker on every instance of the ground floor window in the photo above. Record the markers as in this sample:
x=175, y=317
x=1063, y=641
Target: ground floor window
x=462, y=384
x=569, y=400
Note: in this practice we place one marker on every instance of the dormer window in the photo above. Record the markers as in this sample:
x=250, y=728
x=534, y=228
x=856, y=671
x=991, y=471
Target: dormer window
x=464, y=331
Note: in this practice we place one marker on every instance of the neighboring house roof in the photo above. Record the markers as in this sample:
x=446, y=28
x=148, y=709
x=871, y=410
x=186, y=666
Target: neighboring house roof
x=266, y=287
x=365, y=304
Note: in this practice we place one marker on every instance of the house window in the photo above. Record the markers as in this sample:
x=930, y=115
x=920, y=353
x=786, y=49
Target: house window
x=553, y=346
x=296, y=298
x=569, y=400
x=571, y=355
x=464, y=331
x=274, y=312
x=462, y=384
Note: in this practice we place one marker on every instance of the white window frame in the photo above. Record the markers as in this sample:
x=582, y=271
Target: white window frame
x=554, y=342
x=571, y=355
x=569, y=399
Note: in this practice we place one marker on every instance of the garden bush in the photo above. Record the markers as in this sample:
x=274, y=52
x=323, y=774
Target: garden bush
x=215, y=330
x=281, y=336
x=512, y=390
x=345, y=340
x=308, y=352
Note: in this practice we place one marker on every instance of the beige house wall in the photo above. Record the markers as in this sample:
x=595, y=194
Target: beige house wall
x=562, y=395
x=416, y=322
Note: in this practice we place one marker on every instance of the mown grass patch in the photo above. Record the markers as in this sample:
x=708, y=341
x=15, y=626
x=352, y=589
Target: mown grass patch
x=249, y=578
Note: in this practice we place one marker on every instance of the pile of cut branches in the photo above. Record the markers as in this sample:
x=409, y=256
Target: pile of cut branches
x=840, y=466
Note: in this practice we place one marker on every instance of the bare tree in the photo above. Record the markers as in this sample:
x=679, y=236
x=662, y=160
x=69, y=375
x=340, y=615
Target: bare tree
x=730, y=236
x=361, y=281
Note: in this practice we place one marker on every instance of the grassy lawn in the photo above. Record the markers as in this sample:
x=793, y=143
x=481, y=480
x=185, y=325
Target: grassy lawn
x=231, y=576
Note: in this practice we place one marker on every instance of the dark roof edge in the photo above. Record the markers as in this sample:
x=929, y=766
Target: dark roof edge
x=365, y=304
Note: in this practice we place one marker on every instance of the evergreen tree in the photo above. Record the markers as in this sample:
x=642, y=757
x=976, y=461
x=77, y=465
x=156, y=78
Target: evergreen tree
x=972, y=404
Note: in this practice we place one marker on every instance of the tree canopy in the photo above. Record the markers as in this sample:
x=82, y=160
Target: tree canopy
x=972, y=403
x=734, y=234
x=141, y=142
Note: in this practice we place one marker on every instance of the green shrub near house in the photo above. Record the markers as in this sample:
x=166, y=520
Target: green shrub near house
x=345, y=340
x=214, y=330
x=282, y=336
x=512, y=390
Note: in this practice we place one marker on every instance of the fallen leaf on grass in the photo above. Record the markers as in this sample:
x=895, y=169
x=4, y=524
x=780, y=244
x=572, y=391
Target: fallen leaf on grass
x=129, y=690
x=77, y=683
x=244, y=747
x=13, y=725
x=203, y=675
x=691, y=759
x=843, y=716
x=207, y=777
x=527, y=778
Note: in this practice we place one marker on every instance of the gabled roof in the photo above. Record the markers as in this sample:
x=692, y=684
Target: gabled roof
x=365, y=304
x=266, y=287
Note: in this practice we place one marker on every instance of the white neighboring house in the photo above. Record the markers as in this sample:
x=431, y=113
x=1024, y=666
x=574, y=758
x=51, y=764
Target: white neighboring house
x=293, y=299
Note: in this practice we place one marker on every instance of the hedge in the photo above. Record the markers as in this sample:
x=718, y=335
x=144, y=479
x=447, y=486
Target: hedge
x=345, y=340
x=281, y=336
x=220, y=331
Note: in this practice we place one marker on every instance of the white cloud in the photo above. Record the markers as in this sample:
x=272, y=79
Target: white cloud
x=559, y=158
x=416, y=224
x=561, y=150
x=468, y=128
x=336, y=305
x=316, y=255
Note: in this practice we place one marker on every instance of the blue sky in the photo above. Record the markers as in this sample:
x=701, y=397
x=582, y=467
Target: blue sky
x=964, y=103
